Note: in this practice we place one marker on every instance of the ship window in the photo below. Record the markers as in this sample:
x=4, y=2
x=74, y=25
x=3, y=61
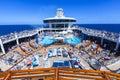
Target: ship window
x=59, y=25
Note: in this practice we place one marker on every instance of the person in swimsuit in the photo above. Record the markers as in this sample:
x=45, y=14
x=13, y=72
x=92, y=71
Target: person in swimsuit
x=29, y=63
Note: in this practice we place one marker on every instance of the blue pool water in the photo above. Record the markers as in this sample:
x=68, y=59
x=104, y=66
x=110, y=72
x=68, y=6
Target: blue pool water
x=61, y=64
x=72, y=41
x=48, y=40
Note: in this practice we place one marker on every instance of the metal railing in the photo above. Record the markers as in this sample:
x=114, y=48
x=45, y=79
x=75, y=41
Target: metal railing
x=87, y=31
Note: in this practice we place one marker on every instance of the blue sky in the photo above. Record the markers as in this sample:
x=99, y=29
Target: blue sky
x=34, y=11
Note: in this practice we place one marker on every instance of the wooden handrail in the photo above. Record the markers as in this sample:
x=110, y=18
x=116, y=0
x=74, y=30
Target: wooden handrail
x=59, y=74
x=7, y=77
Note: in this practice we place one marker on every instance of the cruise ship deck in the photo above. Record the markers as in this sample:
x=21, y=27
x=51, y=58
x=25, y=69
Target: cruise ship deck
x=61, y=51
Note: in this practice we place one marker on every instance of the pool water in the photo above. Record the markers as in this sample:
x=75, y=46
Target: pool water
x=48, y=40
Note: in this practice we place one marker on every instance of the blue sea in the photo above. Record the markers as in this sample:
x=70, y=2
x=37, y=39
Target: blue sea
x=6, y=29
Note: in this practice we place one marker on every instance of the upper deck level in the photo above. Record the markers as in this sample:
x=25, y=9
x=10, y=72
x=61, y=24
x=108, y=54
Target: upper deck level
x=102, y=34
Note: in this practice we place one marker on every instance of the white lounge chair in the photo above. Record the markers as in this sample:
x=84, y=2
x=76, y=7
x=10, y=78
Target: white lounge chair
x=59, y=53
x=50, y=53
x=45, y=57
x=55, y=52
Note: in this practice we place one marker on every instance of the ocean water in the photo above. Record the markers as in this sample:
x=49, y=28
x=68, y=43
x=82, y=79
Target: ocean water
x=6, y=29
x=104, y=27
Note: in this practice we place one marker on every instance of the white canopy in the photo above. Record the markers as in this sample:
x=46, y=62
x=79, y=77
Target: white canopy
x=69, y=31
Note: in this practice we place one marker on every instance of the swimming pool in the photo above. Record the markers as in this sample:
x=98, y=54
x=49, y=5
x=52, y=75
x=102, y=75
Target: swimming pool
x=48, y=40
x=72, y=41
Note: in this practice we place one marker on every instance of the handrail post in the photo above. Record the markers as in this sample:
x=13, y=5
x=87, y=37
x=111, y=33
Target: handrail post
x=8, y=76
x=106, y=76
x=56, y=74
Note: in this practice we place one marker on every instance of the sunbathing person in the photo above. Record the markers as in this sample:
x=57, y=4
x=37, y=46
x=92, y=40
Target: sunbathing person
x=45, y=54
x=29, y=63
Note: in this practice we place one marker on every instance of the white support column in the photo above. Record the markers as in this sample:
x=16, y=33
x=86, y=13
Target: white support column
x=64, y=26
x=50, y=25
x=68, y=25
x=2, y=46
x=17, y=40
x=55, y=26
x=117, y=44
x=102, y=38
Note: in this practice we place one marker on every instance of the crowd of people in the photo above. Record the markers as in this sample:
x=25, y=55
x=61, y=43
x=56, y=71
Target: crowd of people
x=10, y=59
x=13, y=57
x=97, y=57
x=7, y=37
x=89, y=50
x=48, y=53
x=10, y=36
x=25, y=49
x=29, y=63
x=105, y=34
x=33, y=45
